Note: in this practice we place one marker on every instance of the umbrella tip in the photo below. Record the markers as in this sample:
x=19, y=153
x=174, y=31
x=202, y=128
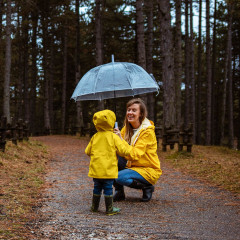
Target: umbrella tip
x=113, y=58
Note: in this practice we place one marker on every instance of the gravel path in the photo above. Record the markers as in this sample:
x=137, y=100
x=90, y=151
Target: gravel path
x=181, y=208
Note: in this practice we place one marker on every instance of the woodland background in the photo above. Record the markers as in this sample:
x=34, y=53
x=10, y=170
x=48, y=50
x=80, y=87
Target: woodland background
x=191, y=47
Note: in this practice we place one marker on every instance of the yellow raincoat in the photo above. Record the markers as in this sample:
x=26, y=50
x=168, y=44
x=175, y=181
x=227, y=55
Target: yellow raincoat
x=143, y=156
x=104, y=147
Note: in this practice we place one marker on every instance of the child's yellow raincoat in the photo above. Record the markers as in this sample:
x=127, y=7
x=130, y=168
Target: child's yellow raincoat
x=143, y=156
x=104, y=147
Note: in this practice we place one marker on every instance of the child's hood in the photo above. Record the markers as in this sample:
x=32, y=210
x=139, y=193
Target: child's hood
x=104, y=120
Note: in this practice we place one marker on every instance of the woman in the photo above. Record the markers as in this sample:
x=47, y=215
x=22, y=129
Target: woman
x=142, y=166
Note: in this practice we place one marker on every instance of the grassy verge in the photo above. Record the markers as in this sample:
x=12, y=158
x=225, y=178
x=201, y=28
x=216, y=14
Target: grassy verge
x=21, y=177
x=219, y=166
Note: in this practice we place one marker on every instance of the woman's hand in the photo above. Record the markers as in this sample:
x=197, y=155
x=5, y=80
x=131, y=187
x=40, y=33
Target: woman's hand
x=117, y=131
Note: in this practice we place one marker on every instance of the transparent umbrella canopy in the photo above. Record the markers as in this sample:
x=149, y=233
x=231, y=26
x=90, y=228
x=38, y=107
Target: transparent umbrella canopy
x=114, y=80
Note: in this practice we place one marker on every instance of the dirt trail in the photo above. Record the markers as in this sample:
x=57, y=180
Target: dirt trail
x=181, y=207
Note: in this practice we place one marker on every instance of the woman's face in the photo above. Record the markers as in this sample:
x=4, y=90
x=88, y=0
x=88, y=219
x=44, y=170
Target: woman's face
x=133, y=114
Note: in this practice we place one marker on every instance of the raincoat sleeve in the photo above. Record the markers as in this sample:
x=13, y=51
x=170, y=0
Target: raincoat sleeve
x=89, y=147
x=122, y=147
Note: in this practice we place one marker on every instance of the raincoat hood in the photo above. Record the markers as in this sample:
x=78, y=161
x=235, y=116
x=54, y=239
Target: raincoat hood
x=104, y=120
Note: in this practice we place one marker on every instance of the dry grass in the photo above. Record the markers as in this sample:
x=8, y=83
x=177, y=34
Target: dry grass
x=219, y=166
x=21, y=177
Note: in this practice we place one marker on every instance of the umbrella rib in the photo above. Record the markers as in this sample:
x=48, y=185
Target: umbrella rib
x=127, y=77
x=95, y=84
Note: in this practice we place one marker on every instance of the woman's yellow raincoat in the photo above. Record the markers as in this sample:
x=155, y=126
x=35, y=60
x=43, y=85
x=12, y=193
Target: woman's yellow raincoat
x=104, y=147
x=143, y=156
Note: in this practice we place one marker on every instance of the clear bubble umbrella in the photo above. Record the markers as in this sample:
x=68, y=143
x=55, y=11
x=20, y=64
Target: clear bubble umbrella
x=114, y=80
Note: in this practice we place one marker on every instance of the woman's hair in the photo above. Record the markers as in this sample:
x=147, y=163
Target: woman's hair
x=143, y=115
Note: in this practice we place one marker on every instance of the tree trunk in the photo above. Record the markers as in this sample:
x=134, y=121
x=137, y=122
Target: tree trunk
x=149, y=55
x=199, y=80
x=78, y=69
x=65, y=51
x=141, y=52
x=192, y=76
x=25, y=68
x=99, y=40
x=230, y=81
x=6, y=94
x=214, y=126
x=34, y=72
x=178, y=63
x=47, y=124
x=1, y=15
x=169, y=110
x=50, y=79
x=19, y=80
x=209, y=76
x=187, y=66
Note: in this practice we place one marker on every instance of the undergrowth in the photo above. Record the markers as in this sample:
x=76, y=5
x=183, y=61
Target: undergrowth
x=21, y=177
x=217, y=165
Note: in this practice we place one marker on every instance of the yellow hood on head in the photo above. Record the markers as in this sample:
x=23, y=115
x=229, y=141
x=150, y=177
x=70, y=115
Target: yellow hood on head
x=104, y=120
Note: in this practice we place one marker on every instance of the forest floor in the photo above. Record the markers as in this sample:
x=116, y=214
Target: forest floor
x=187, y=202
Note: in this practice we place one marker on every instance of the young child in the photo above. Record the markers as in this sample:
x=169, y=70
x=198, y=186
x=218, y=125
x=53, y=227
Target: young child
x=103, y=149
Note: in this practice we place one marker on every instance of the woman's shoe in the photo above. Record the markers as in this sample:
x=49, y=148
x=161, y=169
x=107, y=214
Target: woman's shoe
x=147, y=193
x=119, y=194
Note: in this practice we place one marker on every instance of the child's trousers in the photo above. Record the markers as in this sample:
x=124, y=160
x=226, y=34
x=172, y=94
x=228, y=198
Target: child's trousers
x=103, y=184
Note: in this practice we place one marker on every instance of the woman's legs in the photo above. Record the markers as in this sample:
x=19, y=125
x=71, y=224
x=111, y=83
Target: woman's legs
x=133, y=179
x=119, y=194
x=121, y=163
x=126, y=177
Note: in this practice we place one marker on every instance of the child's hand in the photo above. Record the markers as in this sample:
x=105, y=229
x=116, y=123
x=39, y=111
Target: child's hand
x=117, y=131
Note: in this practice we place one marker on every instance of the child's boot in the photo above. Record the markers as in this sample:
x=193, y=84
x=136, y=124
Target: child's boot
x=95, y=202
x=110, y=210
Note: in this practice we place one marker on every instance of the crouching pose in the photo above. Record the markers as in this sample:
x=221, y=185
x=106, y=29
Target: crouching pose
x=141, y=169
x=103, y=149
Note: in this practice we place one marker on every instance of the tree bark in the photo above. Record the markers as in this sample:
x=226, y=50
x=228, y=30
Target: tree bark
x=192, y=75
x=178, y=63
x=51, y=77
x=47, y=123
x=80, y=122
x=19, y=80
x=209, y=76
x=199, y=80
x=6, y=94
x=1, y=15
x=149, y=55
x=215, y=109
x=99, y=40
x=64, y=81
x=169, y=110
x=141, y=53
x=26, y=67
x=34, y=72
x=230, y=81
x=187, y=66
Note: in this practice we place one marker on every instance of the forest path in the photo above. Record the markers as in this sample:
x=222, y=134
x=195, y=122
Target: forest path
x=181, y=208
